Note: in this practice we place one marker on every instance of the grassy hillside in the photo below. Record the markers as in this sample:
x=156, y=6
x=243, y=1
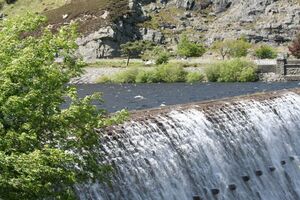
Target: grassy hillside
x=87, y=12
x=22, y=6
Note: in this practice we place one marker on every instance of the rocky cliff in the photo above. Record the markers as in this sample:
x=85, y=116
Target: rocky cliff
x=163, y=21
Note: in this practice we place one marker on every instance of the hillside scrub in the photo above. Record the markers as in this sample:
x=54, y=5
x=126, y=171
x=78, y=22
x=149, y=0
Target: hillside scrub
x=166, y=73
x=265, y=52
x=45, y=150
x=236, y=70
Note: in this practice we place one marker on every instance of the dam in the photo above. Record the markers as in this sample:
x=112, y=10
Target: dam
x=239, y=148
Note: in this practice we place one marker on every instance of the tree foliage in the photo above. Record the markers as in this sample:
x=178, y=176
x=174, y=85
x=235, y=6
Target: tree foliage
x=232, y=48
x=295, y=47
x=188, y=48
x=44, y=149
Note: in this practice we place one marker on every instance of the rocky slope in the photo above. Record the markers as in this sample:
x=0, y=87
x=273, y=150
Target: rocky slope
x=163, y=21
x=105, y=24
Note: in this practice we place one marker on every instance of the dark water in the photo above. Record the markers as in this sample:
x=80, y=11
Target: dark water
x=143, y=96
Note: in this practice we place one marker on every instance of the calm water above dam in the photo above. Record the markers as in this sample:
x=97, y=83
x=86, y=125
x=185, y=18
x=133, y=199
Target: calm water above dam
x=143, y=96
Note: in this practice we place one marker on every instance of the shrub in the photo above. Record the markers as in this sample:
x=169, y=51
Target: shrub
x=232, y=48
x=104, y=79
x=164, y=73
x=187, y=48
x=239, y=48
x=265, y=52
x=237, y=70
x=213, y=73
x=170, y=73
x=295, y=47
x=147, y=77
x=163, y=58
x=159, y=54
x=194, y=77
x=127, y=76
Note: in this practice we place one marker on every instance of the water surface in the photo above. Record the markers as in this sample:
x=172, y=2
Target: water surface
x=144, y=96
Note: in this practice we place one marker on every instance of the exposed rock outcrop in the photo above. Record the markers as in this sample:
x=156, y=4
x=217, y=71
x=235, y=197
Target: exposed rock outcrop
x=270, y=21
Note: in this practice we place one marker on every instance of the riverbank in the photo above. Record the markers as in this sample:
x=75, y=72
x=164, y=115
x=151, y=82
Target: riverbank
x=110, y=67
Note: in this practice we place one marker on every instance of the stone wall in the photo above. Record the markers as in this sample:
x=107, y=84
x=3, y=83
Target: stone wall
x=283, y=70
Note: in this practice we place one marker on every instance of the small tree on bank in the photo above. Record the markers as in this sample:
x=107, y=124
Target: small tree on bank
x=44, y=149
x=295, y=47
x=232, y=48
x=135, y=48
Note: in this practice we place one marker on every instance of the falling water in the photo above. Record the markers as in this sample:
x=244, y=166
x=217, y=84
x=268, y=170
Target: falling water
x=207, y=151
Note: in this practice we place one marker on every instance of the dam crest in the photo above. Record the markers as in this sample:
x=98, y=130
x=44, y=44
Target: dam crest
x=243, y=148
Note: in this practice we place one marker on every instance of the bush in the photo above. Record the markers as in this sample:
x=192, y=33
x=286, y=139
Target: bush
x=232, y=48
x=127, y=76
x=295, y=47
x=162, y=58
x=265, y=52
x=169, y=73
x=239, y=48
x=237, y=70
x=104, y=79
x=187, y=48
x=213, y=73
x=158, y=54
x=165, y=73
x=147, y=77
x=194, y=77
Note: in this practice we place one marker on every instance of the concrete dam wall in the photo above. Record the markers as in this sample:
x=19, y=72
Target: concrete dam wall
x=243, y=148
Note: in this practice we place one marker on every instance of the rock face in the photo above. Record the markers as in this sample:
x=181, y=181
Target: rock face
x=269, y=21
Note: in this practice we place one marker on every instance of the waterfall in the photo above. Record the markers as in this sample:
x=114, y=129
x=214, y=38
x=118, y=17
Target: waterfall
x=239, y=149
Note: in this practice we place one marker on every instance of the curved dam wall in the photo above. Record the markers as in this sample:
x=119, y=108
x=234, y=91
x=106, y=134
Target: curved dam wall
x=244, y=148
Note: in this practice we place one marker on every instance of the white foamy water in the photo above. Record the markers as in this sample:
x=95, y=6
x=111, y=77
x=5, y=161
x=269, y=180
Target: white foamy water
x=189, y=152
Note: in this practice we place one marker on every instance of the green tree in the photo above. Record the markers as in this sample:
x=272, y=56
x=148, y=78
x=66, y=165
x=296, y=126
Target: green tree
x=44, y=149
x=135, y=48
x=188, y=48
x=232, y=48
x=222, y=48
